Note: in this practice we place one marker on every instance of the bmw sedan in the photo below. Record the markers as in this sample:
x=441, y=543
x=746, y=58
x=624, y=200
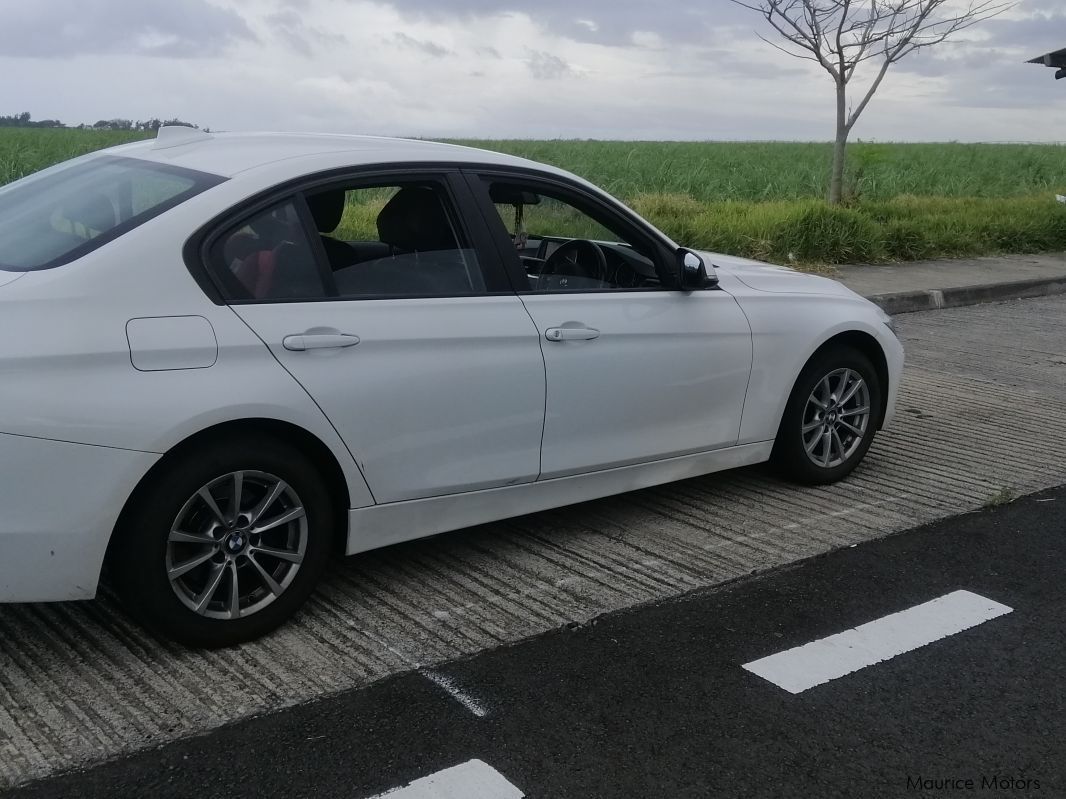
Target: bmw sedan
x=225, y=358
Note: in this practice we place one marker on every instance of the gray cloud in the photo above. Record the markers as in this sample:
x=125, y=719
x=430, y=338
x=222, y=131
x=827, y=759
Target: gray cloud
x=61, y=28
x=612, y=23
x=288, y=24
x=545, y=66
x=432, y=49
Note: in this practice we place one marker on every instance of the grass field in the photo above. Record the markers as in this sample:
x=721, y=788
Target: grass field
x=763, y=200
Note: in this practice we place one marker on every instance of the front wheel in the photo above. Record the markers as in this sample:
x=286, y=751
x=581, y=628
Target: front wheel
x=830, y=419
x=226, y=543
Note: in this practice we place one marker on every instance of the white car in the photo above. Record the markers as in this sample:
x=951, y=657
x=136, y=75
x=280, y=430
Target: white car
x=226, y=357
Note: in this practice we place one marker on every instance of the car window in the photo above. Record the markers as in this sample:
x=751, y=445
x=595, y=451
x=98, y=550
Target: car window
x=57, y=216
x=563, y=247
x=268, y=257
x=386, y=241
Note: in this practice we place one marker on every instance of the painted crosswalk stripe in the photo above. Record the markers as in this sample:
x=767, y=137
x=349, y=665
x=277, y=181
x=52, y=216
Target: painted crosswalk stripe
x=471, y=780
x=826, y=659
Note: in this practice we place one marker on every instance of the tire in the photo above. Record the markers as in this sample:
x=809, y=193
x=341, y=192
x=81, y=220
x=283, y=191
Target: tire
x=804, y=422
x=171, y=524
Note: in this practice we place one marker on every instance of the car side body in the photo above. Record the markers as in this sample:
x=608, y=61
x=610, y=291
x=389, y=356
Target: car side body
x=118, y=361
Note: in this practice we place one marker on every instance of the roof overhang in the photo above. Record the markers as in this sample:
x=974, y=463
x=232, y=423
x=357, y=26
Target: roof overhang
x=1056, y=59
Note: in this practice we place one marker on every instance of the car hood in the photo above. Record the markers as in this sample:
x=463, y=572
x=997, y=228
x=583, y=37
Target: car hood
x=767, y=277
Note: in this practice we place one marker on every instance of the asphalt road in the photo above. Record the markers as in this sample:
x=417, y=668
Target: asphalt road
x=655, y=702
x=981, y=412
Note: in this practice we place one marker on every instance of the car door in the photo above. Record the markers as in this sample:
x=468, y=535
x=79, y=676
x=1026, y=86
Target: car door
x=637, y=370
x=373, y=293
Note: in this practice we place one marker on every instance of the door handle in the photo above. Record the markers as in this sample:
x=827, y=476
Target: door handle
x=318, y=341
x=571, y=333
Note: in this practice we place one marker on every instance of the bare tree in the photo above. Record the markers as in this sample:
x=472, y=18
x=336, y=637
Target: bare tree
x=840, y=35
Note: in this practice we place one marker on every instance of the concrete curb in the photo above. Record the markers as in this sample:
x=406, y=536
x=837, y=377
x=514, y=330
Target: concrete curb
x=932, y=299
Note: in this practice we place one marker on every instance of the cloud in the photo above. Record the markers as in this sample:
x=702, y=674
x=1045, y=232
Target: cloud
x=596, y=21
x=432, y=49
x=545, y=66
x=64, y=28
x=288, y=25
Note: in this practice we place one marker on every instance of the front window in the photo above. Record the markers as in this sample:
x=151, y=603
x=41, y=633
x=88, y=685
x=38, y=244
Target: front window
x=563, y=246
x=55, y=217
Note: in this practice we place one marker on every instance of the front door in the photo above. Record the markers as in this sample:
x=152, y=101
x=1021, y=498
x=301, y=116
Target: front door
x=371, y=293
x=636, y=370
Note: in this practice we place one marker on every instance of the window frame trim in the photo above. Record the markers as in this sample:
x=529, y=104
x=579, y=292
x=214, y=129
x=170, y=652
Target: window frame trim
x=465, y=214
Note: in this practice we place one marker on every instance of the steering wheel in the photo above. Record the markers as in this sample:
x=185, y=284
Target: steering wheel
x=568, y=261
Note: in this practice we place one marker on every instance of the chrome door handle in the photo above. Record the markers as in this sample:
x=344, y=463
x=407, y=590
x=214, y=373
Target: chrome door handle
x=318, y=341
x=571, y=334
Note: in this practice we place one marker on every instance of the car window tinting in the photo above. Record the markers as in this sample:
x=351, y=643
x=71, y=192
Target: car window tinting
x=378, y=242
x=55, y=217
x=269, y=257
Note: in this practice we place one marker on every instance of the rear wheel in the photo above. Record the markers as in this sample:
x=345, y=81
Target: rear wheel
x=830, y=419
x=226, y=543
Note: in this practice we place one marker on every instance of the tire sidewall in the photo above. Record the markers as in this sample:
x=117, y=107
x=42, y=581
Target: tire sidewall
x=141, y=559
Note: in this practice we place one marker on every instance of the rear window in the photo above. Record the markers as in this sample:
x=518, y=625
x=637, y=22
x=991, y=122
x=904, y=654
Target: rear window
x=63, y=213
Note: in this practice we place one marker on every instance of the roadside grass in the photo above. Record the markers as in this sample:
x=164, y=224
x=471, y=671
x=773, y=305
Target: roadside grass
x=763, y=200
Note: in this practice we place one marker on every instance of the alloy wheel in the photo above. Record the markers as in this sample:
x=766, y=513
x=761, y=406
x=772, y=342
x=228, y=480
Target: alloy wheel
x=836, y=418
x=236, y=544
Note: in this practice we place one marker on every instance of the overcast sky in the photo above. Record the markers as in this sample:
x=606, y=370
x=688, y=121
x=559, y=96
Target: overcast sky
x=634, y=69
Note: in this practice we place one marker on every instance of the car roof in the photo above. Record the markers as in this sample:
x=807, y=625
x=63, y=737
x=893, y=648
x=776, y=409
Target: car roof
x=228, y=154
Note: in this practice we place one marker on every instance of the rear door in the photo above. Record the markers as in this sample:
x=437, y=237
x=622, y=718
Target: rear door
x=374, y=294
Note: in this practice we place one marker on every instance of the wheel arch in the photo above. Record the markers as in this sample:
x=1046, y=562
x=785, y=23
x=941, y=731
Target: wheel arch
x=292, y=434
x=868, y=346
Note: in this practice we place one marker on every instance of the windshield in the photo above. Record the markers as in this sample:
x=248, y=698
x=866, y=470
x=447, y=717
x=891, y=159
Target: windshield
x=59, y=215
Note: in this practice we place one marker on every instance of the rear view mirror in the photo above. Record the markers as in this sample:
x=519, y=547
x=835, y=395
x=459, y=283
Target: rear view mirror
x=693, y=272
x=505, y=194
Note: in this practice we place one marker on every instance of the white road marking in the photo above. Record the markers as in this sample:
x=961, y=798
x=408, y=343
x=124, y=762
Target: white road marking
x=456, y=693
x=826, y=659
x=471, y=780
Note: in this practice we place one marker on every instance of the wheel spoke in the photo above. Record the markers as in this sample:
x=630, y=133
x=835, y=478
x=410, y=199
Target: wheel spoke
x=234, y=592
x=812, y=426
x=847, y=395
x=205, y=495
x=213, y=581
x=181, y=537
x=277, y=521
x=280, y=554
x=828, y=389
x=852, y=428
x=839, y=444
x=827, y=441
x=268, y=500
x=235, y=505
x=813, y=443
x=856, y=411
x=189, y=565
x=268, y=579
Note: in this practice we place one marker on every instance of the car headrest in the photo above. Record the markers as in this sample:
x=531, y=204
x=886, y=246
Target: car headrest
x=327, y=209
x=414, y=221
x=93, y=210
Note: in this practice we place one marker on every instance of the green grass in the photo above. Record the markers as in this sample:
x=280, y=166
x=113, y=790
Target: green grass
x=764, y=200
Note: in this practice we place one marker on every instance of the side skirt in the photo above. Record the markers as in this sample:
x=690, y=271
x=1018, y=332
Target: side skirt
x=382, y=525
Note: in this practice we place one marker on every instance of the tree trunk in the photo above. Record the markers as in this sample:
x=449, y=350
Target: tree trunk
x=836, y=181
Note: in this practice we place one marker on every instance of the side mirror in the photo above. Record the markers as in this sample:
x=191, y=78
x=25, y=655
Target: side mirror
x=693, y=271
